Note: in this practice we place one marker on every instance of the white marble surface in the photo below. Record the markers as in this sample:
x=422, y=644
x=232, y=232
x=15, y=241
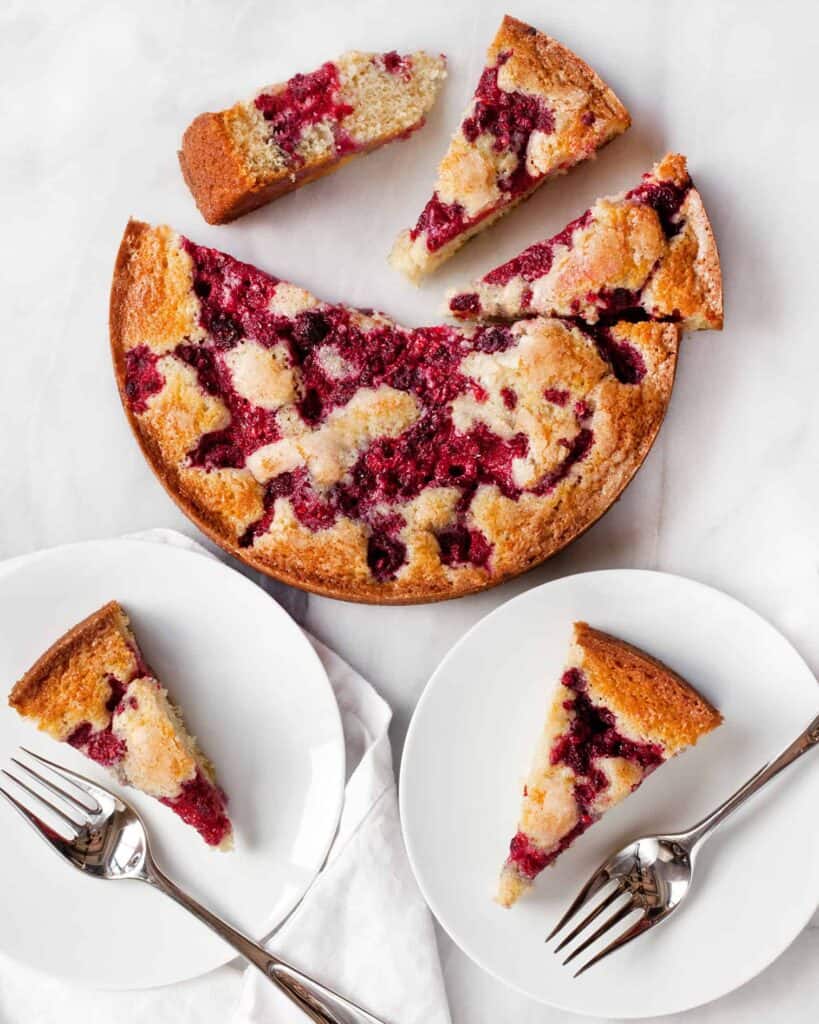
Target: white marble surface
x=95, y=97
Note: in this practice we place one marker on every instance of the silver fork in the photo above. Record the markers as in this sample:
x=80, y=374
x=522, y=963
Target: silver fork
x=106, y=838
x=654, y=874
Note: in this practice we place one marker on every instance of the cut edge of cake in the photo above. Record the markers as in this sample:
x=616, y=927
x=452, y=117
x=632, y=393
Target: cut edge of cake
x=230, y=159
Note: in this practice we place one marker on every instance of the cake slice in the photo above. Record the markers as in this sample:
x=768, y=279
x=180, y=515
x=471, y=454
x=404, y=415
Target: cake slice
x=615, y=716
x=291, y=133
x=645, y=254
x=537, y=111
x=93, y=690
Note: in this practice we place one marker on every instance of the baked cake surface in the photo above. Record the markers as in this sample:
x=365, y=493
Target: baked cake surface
x=615, y=716
x=537, y=111
x=292, y=133
x=649, y=253
x=342, y=453
x=93, y=690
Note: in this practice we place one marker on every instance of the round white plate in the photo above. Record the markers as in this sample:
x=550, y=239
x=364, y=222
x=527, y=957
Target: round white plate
x=255, y=694
x=467, y=754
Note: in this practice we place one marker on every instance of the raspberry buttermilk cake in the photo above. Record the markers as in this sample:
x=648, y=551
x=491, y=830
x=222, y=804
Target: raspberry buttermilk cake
x=93, y=690
x=342, y=453
x=289, y=134
x=647, y=253
x=537, y=111
x=616, y=715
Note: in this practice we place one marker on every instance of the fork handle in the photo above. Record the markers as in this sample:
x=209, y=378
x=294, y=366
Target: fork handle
x=801, y=745
x=321, y=1004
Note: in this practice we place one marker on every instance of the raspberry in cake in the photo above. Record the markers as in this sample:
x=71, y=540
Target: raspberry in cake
x=537, y=111
x=292, y=133
x=615, y=716
x=645, y=254
x=93, y=690
x=341, y=452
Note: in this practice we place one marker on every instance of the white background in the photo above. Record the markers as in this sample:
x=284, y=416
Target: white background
x=95, y=97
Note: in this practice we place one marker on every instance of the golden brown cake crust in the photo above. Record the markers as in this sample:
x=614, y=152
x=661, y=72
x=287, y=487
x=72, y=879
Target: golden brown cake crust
x=643, y=692
x=537, y=60
x=148, y=285
x=67, y=682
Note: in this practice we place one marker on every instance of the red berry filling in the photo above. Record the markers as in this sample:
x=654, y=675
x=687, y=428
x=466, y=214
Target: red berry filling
x=536, y=261
x=626, y=362
x=665, y=197
x=440, y=222
x=202, y=805
x=511, y=118
x=469, y=302
x=305, y=100
x=591, y=735
x=142, y=378
x=510, y=398
x=385, y=555
x=102, y=745
x=235, y=301
x=462, y=546
x=556, y=396
x=395, y=64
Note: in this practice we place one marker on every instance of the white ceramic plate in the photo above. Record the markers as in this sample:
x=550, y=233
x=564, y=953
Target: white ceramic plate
x=254, y=692
x=467, y=753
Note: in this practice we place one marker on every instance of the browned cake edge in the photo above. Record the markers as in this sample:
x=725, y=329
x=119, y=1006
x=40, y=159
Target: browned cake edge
x=643, y=691
x=25, y=690
x=219, y=180
x=541, y=54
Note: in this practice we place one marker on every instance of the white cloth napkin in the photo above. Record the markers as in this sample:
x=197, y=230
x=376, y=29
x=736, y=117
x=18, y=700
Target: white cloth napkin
x=362, y=928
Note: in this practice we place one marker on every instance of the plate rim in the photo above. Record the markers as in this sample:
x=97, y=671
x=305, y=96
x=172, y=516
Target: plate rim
x=174, y=548
x=409, y=743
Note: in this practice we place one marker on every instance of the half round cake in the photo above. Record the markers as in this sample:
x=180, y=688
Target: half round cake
x=342, y=453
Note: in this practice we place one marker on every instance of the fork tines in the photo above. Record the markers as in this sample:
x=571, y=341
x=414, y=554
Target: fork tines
x=620, y=890
x=72, y=812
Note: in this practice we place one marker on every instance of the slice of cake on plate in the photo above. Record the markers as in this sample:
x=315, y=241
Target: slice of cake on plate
x=291, y=133
x=616, y=715
x=537, y=111
x=645, y=254
x=92, y=690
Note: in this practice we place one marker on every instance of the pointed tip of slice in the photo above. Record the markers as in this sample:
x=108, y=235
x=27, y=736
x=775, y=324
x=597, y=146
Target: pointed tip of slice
x=511, y=886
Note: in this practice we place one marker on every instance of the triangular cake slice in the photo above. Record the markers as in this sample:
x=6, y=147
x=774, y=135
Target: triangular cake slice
x=615, y=716
x=644, y=254
x=292, y=133
x=92, y=690
x=537, y=111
